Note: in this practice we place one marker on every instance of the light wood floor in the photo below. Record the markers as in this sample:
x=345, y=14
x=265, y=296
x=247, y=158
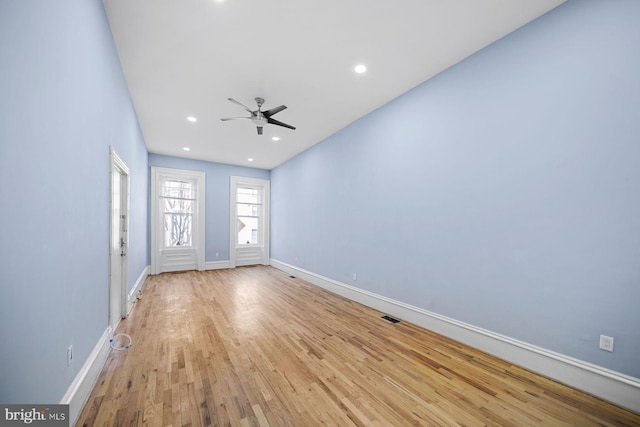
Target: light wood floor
x=254, y=347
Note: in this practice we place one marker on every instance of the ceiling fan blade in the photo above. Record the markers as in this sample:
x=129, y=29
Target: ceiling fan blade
x=240, y=104
x=234, y=118
x=273, y=111
x=275, y=122
x=259, y=130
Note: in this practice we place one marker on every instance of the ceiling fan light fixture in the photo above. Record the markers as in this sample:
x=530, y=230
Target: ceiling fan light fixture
x=259, y=120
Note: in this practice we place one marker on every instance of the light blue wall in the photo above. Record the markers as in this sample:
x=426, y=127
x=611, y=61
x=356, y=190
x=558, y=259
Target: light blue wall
x=217, y=198
x=63, y=102
x=505, y=192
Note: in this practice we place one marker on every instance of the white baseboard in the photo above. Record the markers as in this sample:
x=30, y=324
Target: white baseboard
x=216, y=265
x=612, y=386
x=82, y=385
x=135, y=291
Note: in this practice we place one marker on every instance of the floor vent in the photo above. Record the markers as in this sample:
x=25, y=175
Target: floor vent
x=390, y=319
x=293, y=277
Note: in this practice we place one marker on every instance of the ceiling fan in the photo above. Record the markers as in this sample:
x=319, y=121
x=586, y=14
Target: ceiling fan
x=259, y=117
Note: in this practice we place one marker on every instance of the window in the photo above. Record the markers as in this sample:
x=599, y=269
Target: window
x=177, y=220
x=177, y=200
x=248, y=221
x=249, y=213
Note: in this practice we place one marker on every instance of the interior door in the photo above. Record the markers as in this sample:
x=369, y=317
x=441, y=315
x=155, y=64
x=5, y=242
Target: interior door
x=249, y=222
x=119, y=239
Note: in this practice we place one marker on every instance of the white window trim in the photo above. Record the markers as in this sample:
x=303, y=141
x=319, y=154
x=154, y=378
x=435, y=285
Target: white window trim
x=235, y=182
x=157, y=245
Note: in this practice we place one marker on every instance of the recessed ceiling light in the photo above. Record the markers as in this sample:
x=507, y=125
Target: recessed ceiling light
x=192, y=119
x=250, y=159
x=186, y=148
x=276, y=138
x=360, y=69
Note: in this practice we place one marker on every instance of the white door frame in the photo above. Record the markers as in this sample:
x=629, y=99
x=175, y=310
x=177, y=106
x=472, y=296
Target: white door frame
x=118, y=229
x=260, y=255
x=159, y=254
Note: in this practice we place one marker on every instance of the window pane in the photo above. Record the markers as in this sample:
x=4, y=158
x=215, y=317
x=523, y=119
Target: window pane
x=247, y=210
x=177, y=230
x=178, y=206
x=248, y=195
x=247, y=231
x=178, y=189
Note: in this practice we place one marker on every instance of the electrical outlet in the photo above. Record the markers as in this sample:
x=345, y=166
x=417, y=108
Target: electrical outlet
x=217, y=254
x=606, y=343
x=355, y=276
x=69, y=355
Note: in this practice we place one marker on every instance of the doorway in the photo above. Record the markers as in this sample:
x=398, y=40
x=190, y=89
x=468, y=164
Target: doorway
x=118, y=239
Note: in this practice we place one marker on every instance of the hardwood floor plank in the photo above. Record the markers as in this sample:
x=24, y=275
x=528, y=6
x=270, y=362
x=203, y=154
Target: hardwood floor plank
x=254, y=347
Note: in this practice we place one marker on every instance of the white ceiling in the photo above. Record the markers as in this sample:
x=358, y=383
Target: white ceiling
x=186, y=57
